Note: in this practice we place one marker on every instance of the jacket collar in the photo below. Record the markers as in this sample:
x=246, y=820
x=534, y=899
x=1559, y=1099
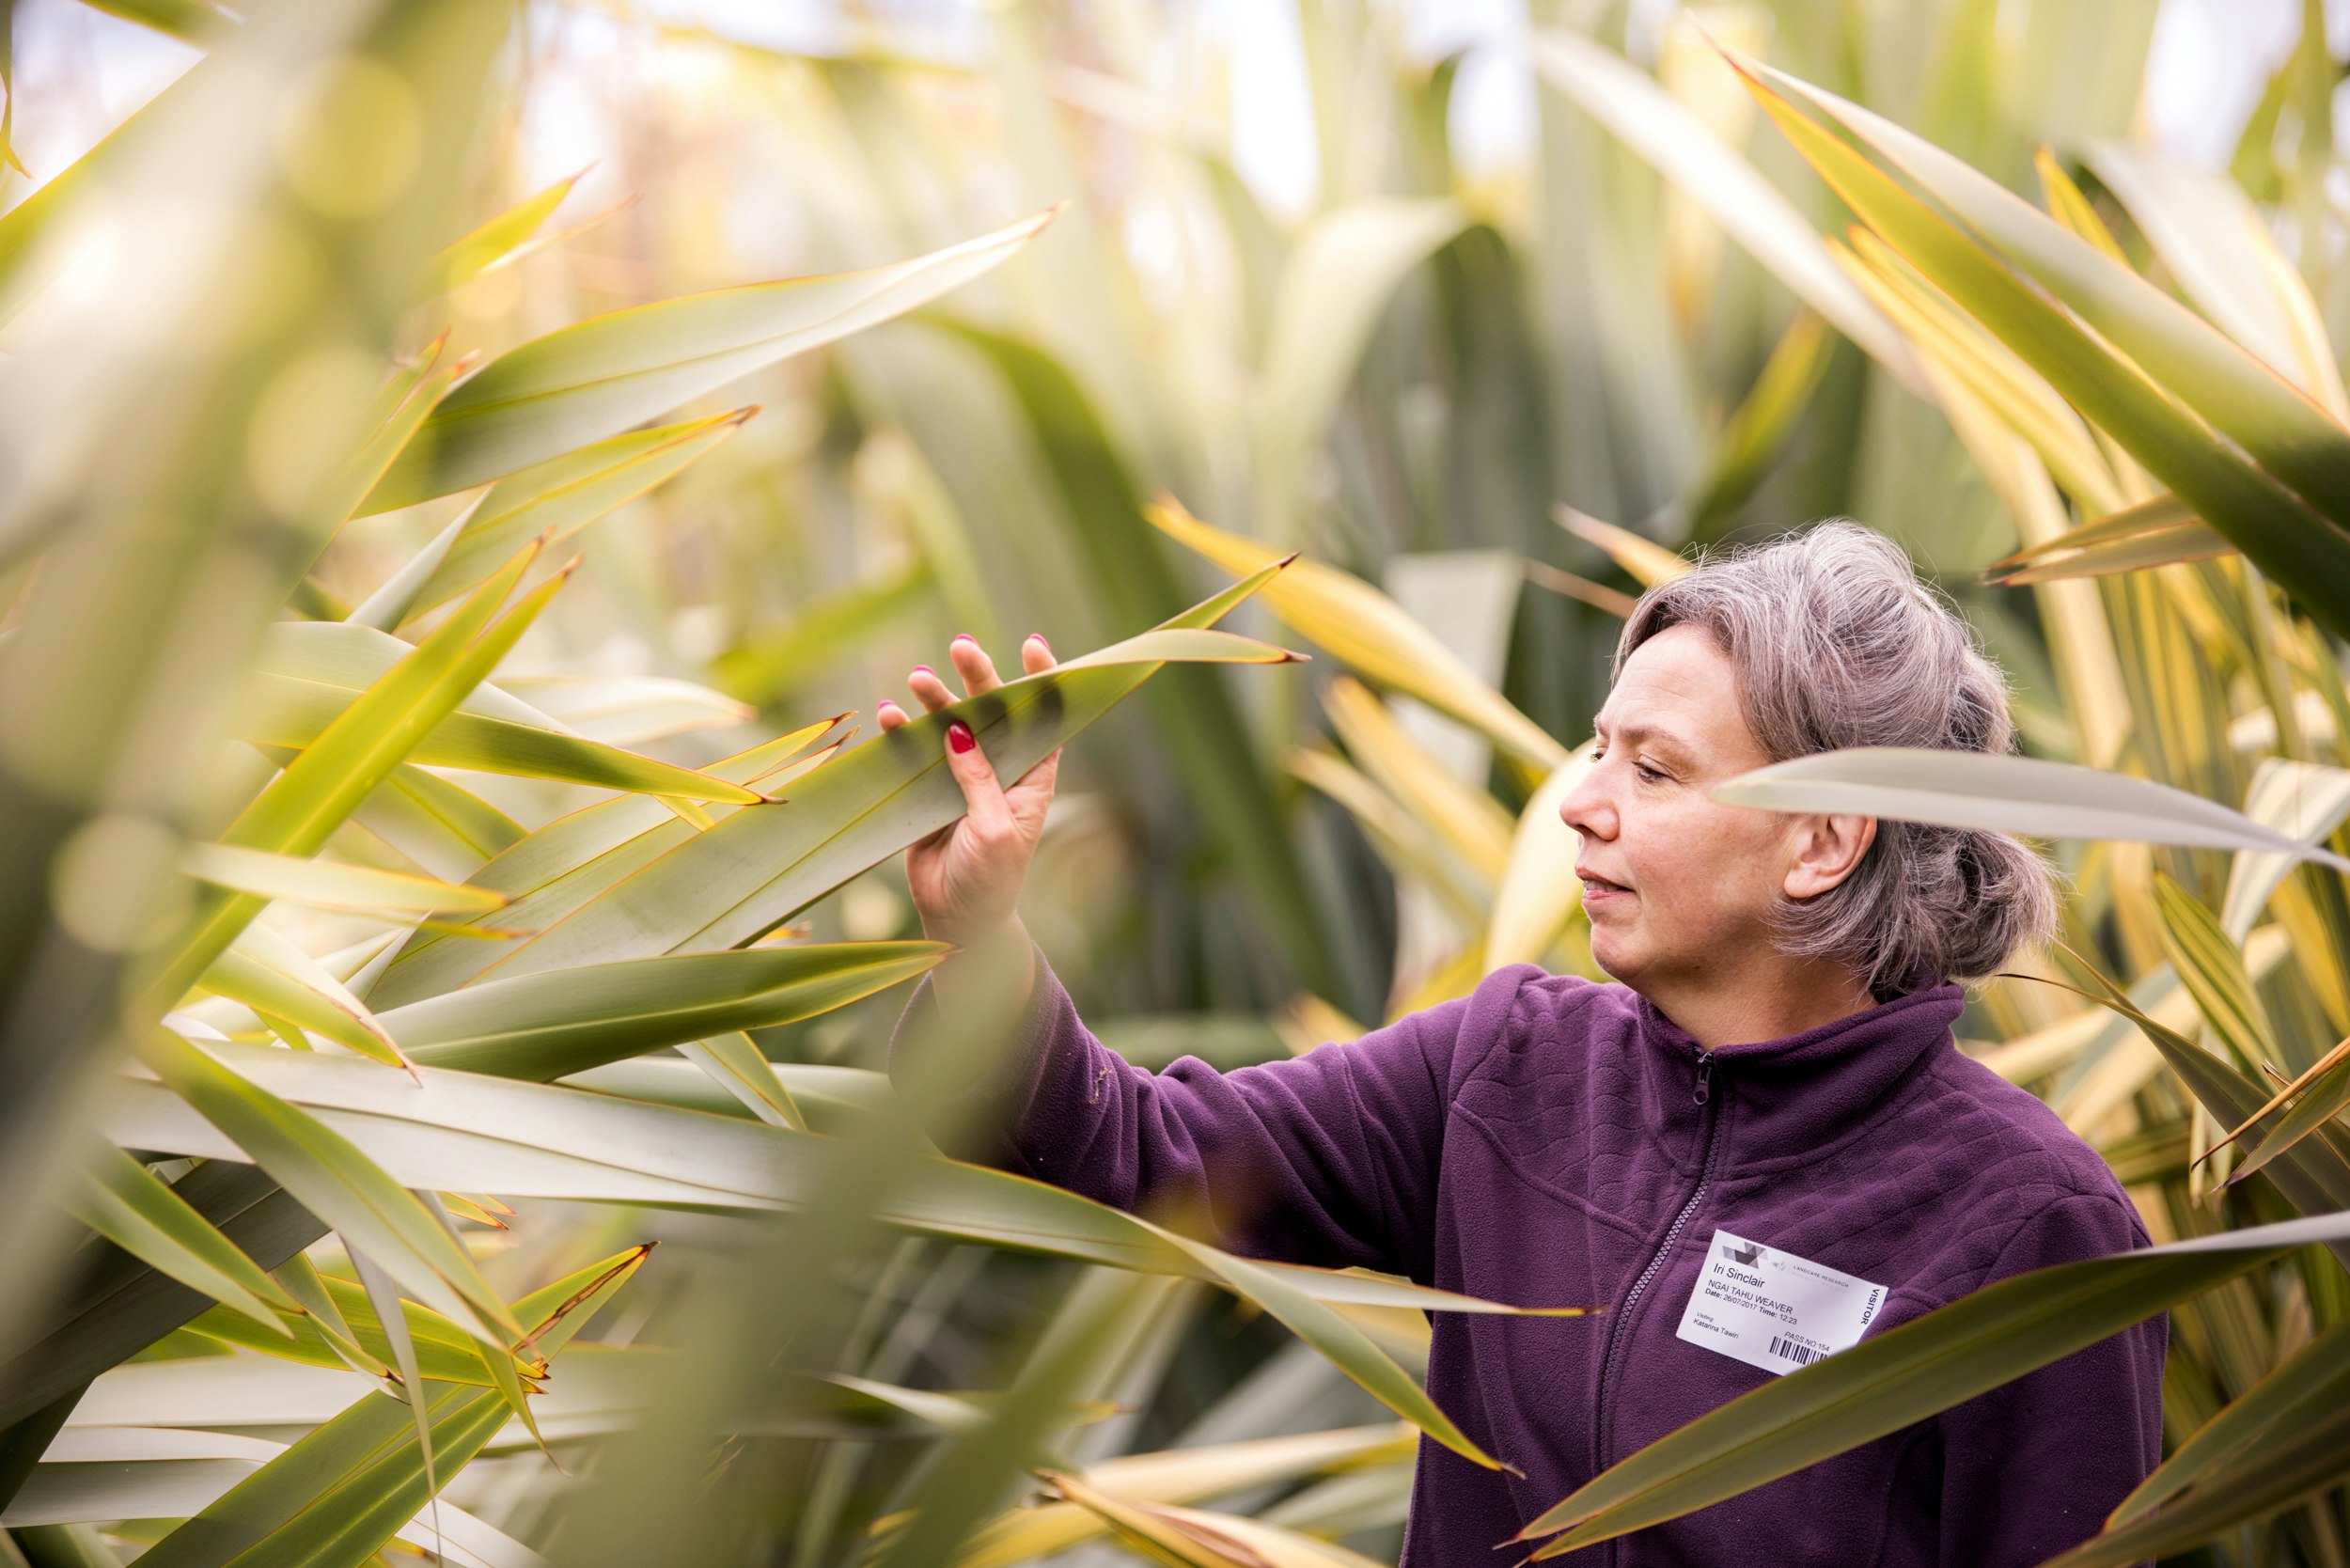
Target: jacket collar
x=1797, y=1093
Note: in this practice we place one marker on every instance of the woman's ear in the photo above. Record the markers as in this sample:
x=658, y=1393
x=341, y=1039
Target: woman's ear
x=1826, y=847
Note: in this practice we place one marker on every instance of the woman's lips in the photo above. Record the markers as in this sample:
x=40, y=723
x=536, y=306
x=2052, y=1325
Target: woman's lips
x=1598, y=889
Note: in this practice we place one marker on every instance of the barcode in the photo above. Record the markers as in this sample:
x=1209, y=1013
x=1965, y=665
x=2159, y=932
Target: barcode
x=1800, y=1354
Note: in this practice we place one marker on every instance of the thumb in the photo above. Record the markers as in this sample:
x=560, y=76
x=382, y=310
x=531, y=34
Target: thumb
x=982, y=796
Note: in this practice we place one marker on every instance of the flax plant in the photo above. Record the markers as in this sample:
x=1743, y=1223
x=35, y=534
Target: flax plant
x=441, y=610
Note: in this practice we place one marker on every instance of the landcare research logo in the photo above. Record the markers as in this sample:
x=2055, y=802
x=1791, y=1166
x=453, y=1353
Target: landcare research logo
x=1750, y=1254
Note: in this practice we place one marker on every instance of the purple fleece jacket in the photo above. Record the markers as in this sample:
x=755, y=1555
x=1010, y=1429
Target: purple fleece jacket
x=1546, y=1141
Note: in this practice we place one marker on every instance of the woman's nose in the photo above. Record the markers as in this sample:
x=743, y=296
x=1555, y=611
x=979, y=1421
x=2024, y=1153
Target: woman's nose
x=1586, y=808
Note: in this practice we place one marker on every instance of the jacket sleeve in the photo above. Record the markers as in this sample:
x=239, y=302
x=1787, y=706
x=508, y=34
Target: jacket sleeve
x=1330, y=1158
x=2032, y=1468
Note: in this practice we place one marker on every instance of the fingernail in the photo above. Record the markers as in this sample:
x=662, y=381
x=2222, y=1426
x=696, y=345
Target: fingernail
x=959, y=737
x=1039, y=637
x=924, y=669
x=964, y=637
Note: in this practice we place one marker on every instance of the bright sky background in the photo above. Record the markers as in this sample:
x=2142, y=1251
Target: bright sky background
x=80, y=71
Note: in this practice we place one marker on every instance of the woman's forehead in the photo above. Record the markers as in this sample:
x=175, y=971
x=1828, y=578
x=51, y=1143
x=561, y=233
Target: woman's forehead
x=1679, y=685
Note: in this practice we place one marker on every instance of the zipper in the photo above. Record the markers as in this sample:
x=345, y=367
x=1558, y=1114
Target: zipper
x=1703, y=1096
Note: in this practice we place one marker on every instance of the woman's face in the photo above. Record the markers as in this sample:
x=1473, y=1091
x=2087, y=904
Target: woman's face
x=1680, y=887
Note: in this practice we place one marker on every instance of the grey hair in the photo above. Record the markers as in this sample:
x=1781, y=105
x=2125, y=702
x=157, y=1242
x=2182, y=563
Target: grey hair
x=1838, y=644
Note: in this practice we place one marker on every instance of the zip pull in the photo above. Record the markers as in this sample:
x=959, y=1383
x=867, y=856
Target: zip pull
x=1706, y=1076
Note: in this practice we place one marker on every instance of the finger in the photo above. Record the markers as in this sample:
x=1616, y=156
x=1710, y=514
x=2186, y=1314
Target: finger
x=982, y=796
x=1034, y=790
x=891, y=717
x=924, y=682
x=972, y=663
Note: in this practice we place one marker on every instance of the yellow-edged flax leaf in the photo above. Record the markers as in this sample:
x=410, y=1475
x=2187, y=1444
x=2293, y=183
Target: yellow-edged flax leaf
x=1758, y=430
x=400, y=385
x=309, y=672
x=269, y=975
x=971, y=1475
x=2311, y=1381
x=1412, y=849
x=1370, y=634
x=445, y=1352
x=545, y=1026
x=2153, y=533
x=2323, y=1091
x=332, y=884
x=2215, y=247
x=1194, y=1537
x=136, y=1210
x=2284, y=430
x=1599, y=596
x=602, y=376
x=1644, y=560
x=387, y=607
x=444, y=827
x=1472, y=821
x=2303, y=800
x=334, y=1499
x=331, y=1178
x=390, y=1312
x=564, y=494
x=1184, y=1475
x=411, y=396
x=734, y=1063
x=2301, y=1453
x=1538, y=897
x=2279, y=530
x=2209, y=962
x=2027, y=797
x=575, y=1144
x=736, y=881
x=494, y=241
x=479, y=1207
x=25, y=224
x=1198, y=729
x=1956, y=343
x=1346, y=1345
x=322, y=1318
x=569, y=861
x=1734, y=194
x=2069, y=207
x=2313, y=1174
x=195, y=22
x=1891, y=1380
x=305, y=804
x=631, y=709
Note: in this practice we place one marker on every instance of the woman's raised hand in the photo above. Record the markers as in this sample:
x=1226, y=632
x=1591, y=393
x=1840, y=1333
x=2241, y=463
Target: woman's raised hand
x=967, y=877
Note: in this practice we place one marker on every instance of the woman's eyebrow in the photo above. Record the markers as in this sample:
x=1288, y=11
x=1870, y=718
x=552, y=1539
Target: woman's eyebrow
x=1632, y=734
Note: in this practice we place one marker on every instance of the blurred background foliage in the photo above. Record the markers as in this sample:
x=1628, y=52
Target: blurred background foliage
x=1488, y=397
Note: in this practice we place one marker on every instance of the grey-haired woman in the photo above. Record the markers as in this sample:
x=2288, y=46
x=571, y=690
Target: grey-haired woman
x=1757, y=1147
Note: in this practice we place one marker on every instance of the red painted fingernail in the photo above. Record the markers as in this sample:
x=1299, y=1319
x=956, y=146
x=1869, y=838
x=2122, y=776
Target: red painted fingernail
x=1039, y=637
x=964, y=637
x=924, y=669
x=959, y=737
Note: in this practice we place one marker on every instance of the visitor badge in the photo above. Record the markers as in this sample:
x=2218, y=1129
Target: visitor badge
x=1773, y=1309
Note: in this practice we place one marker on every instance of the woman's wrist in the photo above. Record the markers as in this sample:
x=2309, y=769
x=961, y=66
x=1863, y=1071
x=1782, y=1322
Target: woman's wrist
x=995, y=967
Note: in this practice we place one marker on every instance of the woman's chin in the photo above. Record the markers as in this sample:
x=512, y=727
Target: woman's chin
x=1615, y=956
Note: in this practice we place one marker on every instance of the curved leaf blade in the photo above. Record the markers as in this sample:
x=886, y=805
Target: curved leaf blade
x=599, y=377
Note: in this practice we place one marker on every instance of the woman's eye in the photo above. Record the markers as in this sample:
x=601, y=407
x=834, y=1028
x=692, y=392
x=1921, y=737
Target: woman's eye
x=1649, y=774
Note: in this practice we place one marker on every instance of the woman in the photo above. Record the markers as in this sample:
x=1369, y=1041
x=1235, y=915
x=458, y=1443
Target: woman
x=1758, y=1145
